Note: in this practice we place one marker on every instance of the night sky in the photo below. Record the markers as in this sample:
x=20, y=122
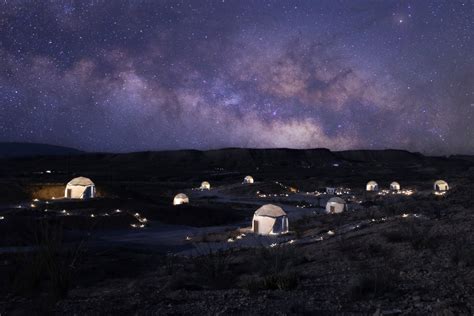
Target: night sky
x=151, y=75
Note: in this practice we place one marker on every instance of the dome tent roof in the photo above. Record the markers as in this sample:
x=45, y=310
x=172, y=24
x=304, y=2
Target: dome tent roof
x=181, y=196
x=270, y=210
x=371, y=183
x=440, y=182
x=336, y=199
x=82, y=181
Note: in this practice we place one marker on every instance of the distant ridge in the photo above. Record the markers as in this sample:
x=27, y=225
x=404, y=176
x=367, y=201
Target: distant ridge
x=233, y=158
x=14, y=150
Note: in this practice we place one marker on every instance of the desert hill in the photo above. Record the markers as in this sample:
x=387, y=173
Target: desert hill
x=10, y=150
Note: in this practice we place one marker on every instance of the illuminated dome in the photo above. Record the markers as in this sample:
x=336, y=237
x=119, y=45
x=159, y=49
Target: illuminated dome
x=395, y=186
x=441, y=185
x=372, y=186
x=80, y=188
x=180, y=198
x=335, y=205
x=205, y=185
x=270, y=220
x=248, y=179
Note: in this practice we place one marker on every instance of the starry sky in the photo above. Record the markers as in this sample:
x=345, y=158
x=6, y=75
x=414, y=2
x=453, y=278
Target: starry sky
x=153, y=75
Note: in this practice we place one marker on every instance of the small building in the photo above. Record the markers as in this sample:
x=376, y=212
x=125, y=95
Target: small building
x=336, y=205
x=330, y=190
x=372, y=186
x=270, y=220
x=395, y=186
x=205, y=185
x=441, y=185
x=80, y=188
x=248, y=179
x=180, y=198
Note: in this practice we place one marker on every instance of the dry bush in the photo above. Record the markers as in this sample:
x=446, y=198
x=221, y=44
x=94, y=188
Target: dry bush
x=462, y=252
x=286, y=281
x=419, y=236
x=51, y=265
x=374, y=283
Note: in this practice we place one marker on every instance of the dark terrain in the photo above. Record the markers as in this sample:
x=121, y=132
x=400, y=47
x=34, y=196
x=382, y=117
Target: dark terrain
x=392, y=255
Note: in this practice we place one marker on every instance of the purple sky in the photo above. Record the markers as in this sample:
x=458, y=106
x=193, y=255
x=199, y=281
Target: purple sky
x=150, y=75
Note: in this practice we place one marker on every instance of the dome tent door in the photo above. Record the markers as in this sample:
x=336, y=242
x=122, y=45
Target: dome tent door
x=255, y=226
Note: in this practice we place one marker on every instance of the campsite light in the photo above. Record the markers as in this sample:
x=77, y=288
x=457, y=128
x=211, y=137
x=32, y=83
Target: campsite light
x=117, y=211
x=2, y=218
x=133, y=225
x=239, y=237
x=230, y=240
x=92, y=215
x=188, y=238
x=405, y=215
x=35, y=200
x=273, y=245
x=330, y=232
x=32, y=205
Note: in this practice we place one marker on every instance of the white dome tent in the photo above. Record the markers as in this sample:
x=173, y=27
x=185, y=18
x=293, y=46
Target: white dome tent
x=205, y=185
x=248, y=179
x=336, y=205
x=80, y=188
x=270, y=220
x=441, y=185
x=395, y=186
x=180, y=198
x=372, y=186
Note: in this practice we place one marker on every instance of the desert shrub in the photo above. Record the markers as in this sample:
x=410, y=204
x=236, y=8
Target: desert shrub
x=170, y=264
x=395, y=236
x=463, y=252
x=377, y=250
x=272, y=269
x=373, y=283
x=51, y=265
x=419, y=236
x=285, y=281
x=343, y=244
x=299, y=226
x=214, y=269
x=281, y=281
x=274, y=260
x=362, y=251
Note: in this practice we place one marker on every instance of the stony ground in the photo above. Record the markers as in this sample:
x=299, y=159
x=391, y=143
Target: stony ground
x=420, y=263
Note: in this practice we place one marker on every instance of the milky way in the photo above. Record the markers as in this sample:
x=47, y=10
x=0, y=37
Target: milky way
x=150, y=75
